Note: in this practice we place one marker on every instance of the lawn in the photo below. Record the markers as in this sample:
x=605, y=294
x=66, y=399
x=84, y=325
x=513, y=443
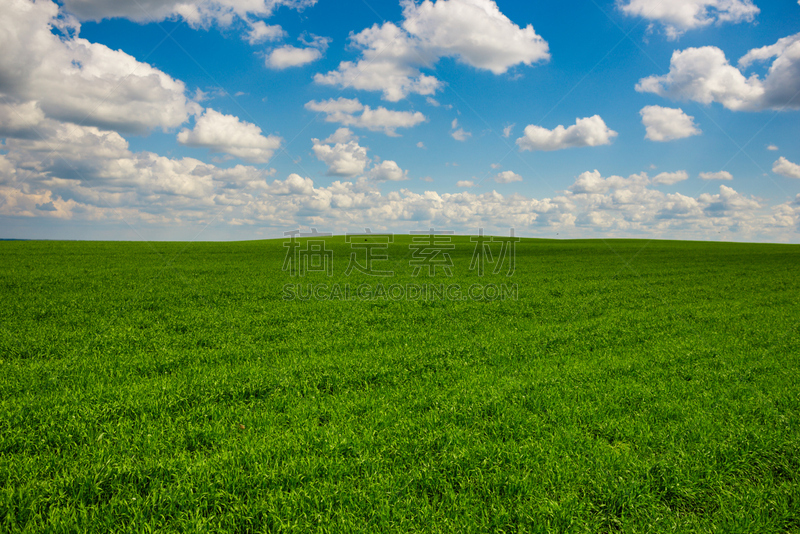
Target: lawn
x=618, y=386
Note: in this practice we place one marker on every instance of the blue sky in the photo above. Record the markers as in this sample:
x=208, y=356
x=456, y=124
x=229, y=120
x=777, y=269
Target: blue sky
x=243, y=119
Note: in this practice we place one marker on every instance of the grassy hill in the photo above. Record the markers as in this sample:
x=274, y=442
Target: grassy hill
x=631, y=386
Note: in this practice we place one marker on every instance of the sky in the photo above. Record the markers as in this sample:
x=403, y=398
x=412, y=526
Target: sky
x=245, y=119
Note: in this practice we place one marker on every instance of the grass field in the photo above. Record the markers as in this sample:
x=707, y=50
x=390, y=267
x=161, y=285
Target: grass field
x=633, y=386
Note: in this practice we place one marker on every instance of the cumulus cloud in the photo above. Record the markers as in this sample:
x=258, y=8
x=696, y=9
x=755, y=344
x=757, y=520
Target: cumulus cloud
x=592, y=182
x=591, y=131
x=260, y=32
x=465, y=183
x=345, y=157
x=506, y=177
x=73, y=80
x=784, y=167
x=670, y=178
x=228, y=134
x=678, y=16
x=83, y=173
x=198, y=13
x=291, y=56
x=344, y=110
x=719, y=175
x=473, y=32
x=705, y=75
x=342, y=153
x=387, y=171
x=667, y=124
x=458, y=133
x=772, y=147
x=20, y=120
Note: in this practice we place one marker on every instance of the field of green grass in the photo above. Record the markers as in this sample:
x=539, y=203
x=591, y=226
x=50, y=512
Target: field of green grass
x=632, y=386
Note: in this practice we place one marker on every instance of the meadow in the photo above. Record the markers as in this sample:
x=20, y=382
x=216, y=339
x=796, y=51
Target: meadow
x=628, y=386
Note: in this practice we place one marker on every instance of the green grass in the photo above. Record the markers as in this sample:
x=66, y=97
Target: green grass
x=633, y=387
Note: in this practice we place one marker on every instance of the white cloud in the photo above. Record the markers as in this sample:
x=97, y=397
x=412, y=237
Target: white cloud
x=198, y=13
x=670, y=178
x=667, y=124
x=86, y=174
x=507, y=130
x=387, y=171
x=77, y=81
x=343, y=111
x=293, y=185
x=677, y=16
x=705, y=75
x=291, y=56
x=20, y=120
x=719, y=175
x=465, y=183
x=228, y=134
x=772, y=147
x=784, y=167
x=421, y=145
x=506, y=177
x=260, y=32
x=459, y=134
x=591, y=131
x=592, y=182
x=342, y=153
x=474, y=32
x=768, y=52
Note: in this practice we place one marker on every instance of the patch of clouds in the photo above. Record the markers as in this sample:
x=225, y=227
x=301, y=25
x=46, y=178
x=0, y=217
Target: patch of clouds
x=351, y=112
x=719, y=175
x=342, y=153
x=288, y=56
x=387, y=171
x=679, y=16
x=458, y=133
x=260, y=32
x=227, y=134
x=465, y=183
x=474, y=32
x=590, y=131
x=667, y=124
x=704, y=75
x=786, y=168
x=73, y=80
x=670, y=178
x=507, y=177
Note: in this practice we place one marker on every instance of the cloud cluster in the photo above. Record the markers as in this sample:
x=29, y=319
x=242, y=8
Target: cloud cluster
x=197, y=13
x=784, y=167
x=345, y=157
x=351, y=112
x=70, y=79
x=590, y=131
x=667, y=124
x=506, y=177
x=291, y=56
x=719, y=175
x=458, y=133
x=228, y=134
x=704, y=75
x=342, y=153
x=678, y=16
x=474, y=32
x=89, y=174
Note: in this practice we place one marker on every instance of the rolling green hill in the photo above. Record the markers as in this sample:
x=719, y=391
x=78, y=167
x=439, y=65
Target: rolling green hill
x=604, y=386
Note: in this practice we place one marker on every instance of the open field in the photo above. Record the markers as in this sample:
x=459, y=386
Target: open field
x=633, y=386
